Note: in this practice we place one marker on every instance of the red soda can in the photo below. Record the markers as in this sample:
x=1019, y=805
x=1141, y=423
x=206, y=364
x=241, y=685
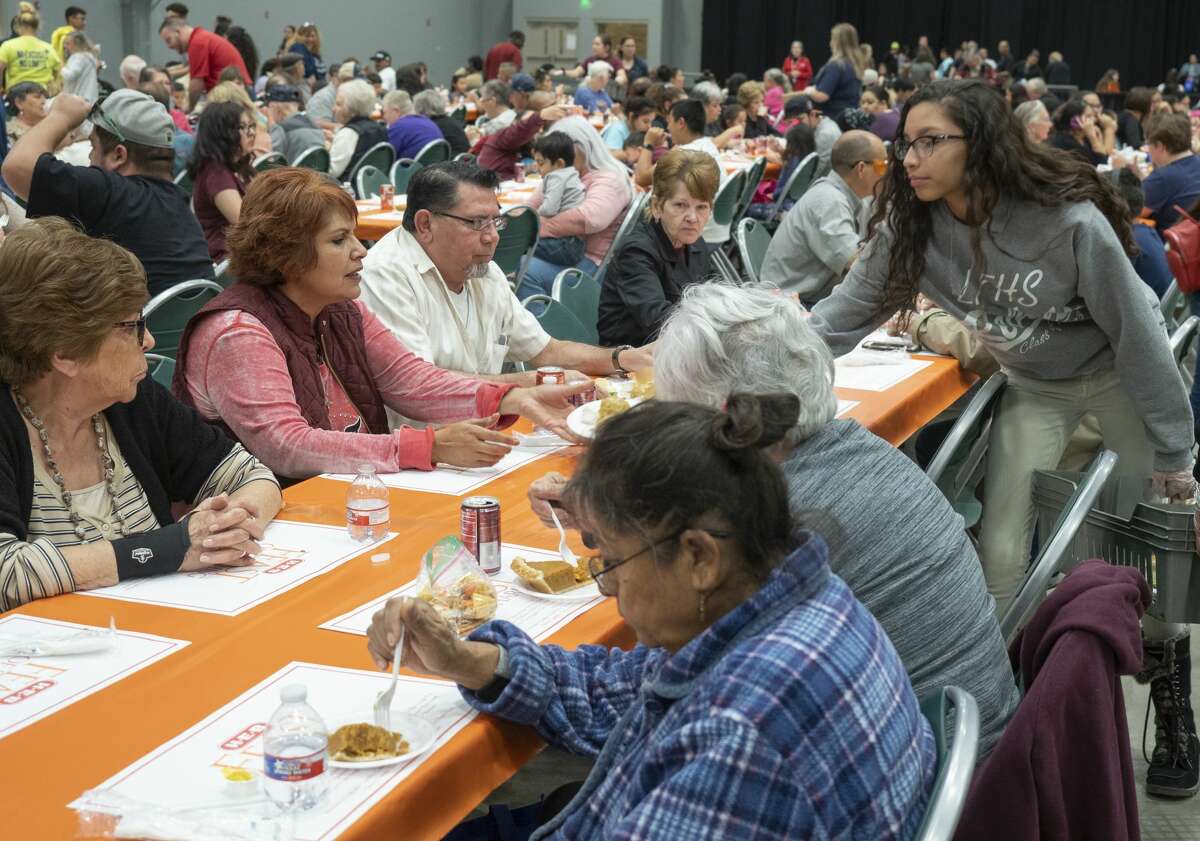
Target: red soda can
x=387, y=195
x=480, y=531
x=551, y=375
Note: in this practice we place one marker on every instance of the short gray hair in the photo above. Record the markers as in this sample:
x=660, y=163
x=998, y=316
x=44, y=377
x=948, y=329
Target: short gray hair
x=1036, y=84
x=708, y=93
x=496, y=89
x=358, y=98
x=599, y=68
x=431, y=103
x=777, y=76
x=1030, y=110
x=131, y=66
x=400, y=100
x=753, y=339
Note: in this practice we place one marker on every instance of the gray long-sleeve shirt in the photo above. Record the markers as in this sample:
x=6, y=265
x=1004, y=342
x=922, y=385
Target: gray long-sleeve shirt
x=815, y=241
x=561, y=190
x=1056, y=298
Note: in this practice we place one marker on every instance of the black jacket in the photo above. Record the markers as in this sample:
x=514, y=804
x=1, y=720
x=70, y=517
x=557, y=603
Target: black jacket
x=643, y=282
x=169, y=448
x=454, y=134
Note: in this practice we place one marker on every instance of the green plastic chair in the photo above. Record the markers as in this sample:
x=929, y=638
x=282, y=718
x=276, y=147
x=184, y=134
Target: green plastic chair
x=753, y=239
x=754, y=176
x=575, y=290
x=796, y=186
x=161, y=369
x=726, y=201
x=957, y=466
x=459, y=115
x=956, y=760
x=1174, y=306
x=170, y=310
x=403, y=170
x=517, y=241
x=221, y=274
x=271, y=160
x=368, y=180
x=433, y=152
x=556, y=319
x=184, y=182
x=381, y=156
x=465, y=156
x=316, y=157
x=632, y=214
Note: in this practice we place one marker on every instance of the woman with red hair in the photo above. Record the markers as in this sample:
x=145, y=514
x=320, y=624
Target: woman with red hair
x=289, y=363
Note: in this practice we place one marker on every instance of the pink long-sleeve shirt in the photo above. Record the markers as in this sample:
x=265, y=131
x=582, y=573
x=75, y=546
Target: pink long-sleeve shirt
x=237, y=372
x=597, y=219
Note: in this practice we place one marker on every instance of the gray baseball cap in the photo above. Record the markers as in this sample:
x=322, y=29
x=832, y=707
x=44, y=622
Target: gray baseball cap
x=135, y=117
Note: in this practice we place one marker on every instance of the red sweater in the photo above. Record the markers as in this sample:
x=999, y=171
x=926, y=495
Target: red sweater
x=497, y=55
x=1062, y=770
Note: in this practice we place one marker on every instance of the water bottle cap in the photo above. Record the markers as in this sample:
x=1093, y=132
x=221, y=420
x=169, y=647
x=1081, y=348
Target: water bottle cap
x=365, y=469
x=294, y=693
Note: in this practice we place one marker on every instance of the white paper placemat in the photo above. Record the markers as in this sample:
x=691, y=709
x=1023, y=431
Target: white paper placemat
x=32, y=688
x=292, y=553
x=455, y=481
x=537, y=617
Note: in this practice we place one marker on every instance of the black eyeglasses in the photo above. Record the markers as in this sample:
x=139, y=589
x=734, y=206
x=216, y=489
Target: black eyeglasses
x=138, y=324
x=98, y=117
x=481, y=224
x=923, y=146
x=600, y=570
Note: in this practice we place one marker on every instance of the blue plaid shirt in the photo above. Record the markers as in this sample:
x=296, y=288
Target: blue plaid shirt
x=790, y=717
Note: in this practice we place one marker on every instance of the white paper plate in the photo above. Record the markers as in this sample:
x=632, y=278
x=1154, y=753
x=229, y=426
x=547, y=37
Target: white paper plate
x=582, y=421
x=589, y=591
x=416, y=731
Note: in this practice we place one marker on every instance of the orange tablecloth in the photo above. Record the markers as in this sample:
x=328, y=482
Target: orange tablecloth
x=374, y=224
x=48, y=764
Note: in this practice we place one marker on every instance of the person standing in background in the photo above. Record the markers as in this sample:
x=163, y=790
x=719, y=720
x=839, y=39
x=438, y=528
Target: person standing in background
x=207, y=55
x=79, y=73
x=27, y=58
x=76, y=22
x=838, y=85
x=308, y=46
x=506, y=52
x=797, y=67
x=383, y=66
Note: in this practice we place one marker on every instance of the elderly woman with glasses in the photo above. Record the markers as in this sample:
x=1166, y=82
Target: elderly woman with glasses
x=762, y=701
x=894, y=539
x=93, y=453
x=290, y=364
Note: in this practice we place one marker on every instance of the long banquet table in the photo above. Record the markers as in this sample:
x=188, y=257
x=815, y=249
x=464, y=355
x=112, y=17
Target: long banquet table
x=49, y=763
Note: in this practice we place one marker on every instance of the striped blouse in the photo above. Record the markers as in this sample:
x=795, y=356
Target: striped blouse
x=35, y=568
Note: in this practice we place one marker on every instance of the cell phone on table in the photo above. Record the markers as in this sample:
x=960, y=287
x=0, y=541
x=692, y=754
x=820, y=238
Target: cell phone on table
x=877, y=345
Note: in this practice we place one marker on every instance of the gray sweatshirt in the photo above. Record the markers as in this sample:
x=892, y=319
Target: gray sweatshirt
x=1057, y=298
x=561, y=190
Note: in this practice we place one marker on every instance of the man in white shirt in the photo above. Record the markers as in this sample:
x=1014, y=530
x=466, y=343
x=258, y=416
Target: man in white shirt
x=383, y=66
x=433, y=283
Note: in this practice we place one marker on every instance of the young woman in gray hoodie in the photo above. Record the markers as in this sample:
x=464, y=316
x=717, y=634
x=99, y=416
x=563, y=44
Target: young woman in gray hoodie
x=1028, y=247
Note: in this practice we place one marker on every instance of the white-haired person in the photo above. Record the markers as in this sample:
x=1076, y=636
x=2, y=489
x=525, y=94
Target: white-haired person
x=353, y=107
x=131, y=70
x=592, y=96
x=608, y=191
x=893, y=537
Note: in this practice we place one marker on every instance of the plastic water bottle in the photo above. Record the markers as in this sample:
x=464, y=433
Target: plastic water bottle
x=294, y=753
x=368, y=507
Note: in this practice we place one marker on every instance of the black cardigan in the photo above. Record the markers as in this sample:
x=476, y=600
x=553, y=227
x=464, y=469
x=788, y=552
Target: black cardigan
x=168, y=447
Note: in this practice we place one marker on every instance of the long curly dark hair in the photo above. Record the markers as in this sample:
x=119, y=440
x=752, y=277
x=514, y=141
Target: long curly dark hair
x=1001, y=163
x=219, y=139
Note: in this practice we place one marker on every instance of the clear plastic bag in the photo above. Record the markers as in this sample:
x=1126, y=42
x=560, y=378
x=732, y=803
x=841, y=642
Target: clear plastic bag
x=451, y=580
x=105, y=814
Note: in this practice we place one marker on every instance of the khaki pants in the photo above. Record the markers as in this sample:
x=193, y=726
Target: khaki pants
x=1030, y=430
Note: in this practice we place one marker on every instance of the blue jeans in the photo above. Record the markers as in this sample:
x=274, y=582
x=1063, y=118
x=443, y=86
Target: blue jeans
x=539, y=276
x=563, y=251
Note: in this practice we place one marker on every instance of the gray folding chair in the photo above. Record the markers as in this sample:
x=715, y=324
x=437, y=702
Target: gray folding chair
x=957, y=466
x=724, y=206
x=1173, y=305
x=1183, y=337
x=221, y=274
x=956, y=761
x=796, y=186
x=636, y=207
x=1032, y=591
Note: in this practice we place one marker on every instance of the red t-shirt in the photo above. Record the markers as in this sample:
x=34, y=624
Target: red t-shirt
x=209, y=54
x=497, y=55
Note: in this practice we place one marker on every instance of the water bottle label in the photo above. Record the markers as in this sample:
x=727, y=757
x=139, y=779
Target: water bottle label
x=374, y=517
x=295, y=769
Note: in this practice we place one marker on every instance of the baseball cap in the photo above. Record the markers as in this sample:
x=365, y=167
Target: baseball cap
x=796, y=106
x=522, y=83
x=381, y=56
x=135, y=117
x=282, y=93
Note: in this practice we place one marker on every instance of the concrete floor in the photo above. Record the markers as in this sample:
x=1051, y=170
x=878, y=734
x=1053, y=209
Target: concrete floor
x=1162, y=819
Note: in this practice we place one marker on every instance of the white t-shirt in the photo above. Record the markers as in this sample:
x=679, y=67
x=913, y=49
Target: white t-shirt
x=388, y=77
x=402, y=286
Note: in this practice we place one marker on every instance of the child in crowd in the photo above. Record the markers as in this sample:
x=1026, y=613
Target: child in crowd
x=554, y=154
x=631, y=149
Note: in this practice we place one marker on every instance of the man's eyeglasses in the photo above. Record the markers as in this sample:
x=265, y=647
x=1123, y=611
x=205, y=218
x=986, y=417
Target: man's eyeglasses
x=481, y=224
x=923, y=146
x=600, y=570
x=98, y=117
x=138, y=325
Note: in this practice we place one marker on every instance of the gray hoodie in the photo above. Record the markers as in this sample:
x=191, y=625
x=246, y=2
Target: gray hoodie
x=1057, y=298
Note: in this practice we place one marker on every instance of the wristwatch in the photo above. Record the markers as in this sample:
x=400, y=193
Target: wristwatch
x=649, y=148
x=616, y=354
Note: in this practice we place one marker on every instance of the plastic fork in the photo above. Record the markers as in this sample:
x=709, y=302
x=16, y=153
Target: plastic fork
x=563, y=549
x=383, y=701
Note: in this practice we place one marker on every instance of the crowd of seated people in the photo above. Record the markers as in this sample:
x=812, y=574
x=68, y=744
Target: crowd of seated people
x=793, y=539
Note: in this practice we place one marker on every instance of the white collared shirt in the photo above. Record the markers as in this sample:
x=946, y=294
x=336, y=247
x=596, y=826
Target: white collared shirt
x=402, y=286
